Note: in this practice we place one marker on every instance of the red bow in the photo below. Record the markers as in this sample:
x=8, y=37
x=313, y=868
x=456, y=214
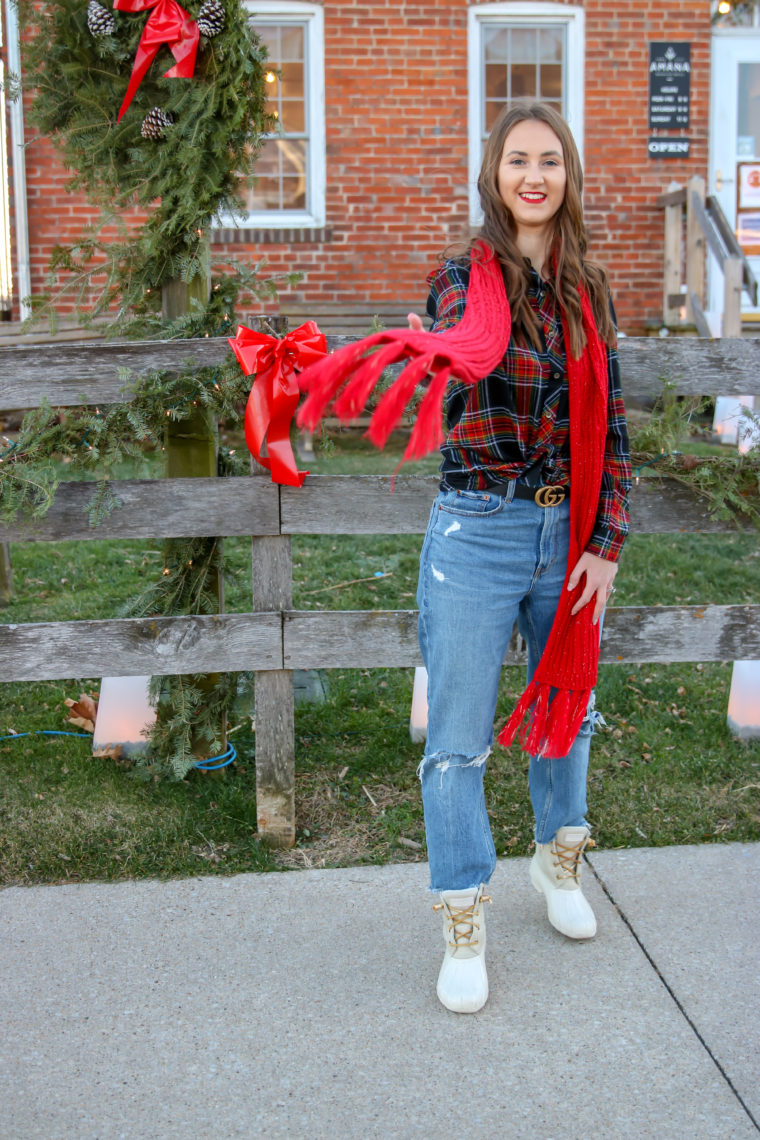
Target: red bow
x=167, y=24
x=275, y=392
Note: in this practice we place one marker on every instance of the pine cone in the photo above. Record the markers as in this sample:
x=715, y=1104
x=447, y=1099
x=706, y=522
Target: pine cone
x=155, y=123
x=210, y=18
x=99, y=20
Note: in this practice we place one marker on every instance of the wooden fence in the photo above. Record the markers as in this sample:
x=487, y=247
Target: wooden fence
x=274, y=639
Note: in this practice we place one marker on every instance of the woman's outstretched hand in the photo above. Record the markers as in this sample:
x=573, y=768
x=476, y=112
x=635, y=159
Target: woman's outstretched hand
x=600, y=574
x=415, y=322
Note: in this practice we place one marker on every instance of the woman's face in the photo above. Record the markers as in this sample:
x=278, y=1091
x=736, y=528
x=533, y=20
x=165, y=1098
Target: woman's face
x=532, y=175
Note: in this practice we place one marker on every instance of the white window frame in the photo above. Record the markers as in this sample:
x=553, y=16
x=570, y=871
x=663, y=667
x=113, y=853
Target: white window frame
x=521, y=12
x=296, y=12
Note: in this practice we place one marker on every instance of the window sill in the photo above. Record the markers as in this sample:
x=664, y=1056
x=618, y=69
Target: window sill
x=284, y=235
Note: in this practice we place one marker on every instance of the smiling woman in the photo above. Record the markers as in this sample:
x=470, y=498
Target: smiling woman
x=527, y=527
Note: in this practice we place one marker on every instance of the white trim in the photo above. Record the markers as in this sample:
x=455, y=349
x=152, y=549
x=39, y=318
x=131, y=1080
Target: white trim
x=23, y=271
x=284, y=12
x=522, y=12
x=6, y=267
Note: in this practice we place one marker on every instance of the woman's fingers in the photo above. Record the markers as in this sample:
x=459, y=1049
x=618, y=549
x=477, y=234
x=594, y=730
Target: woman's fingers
x=600, y=575
x=415, y=322
x=584, y=599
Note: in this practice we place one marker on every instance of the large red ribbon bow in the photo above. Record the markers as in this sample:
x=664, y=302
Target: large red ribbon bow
x=167, y=24
x=275, y=392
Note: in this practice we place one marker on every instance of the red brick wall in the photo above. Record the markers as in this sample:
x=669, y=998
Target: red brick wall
x=396, y=90
x=56, y=216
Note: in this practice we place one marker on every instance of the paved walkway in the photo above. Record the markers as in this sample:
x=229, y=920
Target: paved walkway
x=302, y=1005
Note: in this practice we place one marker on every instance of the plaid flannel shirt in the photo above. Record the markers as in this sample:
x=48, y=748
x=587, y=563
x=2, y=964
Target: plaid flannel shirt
x=518, y=417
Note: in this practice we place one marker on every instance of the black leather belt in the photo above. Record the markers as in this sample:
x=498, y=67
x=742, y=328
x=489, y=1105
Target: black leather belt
x=547, y=495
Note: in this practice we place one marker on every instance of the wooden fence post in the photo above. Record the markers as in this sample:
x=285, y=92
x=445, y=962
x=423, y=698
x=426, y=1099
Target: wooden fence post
x=6, y=574
x=191, y=450
x=672, y=276
x=695, y=247
x=731, y=324
x=272, y=573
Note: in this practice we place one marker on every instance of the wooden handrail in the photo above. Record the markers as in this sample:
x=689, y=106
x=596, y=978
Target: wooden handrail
x=705, y=222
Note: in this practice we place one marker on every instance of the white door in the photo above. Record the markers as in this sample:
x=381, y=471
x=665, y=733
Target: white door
x=735, y=142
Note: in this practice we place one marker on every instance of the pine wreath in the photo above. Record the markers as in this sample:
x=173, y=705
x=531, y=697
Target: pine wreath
x=80, y=70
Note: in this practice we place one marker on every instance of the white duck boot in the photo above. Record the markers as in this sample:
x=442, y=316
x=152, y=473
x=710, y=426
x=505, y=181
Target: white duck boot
x=462, y=982
x=555, y=871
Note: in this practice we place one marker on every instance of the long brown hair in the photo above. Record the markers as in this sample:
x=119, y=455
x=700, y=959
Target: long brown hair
x=567, y=249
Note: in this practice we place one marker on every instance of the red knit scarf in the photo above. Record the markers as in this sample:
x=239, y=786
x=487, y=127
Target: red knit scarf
x=557, y=697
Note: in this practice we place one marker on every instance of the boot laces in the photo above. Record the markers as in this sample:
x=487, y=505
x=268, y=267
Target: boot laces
x=568, y=857
x=461, y=923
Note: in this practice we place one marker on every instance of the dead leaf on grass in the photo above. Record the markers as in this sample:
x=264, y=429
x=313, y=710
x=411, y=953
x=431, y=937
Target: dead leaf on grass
x=83, y=712
x=112, y=750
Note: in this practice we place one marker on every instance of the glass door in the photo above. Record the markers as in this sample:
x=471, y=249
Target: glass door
x=735, y=148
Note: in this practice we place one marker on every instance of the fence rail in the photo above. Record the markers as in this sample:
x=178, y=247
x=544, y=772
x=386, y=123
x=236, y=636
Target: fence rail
x=68, y=375
x=274, y=638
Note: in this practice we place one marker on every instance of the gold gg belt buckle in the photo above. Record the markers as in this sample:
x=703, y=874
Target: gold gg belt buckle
x=550, y=496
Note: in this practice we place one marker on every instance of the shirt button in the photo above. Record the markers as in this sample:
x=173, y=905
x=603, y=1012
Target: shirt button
x=556, y=376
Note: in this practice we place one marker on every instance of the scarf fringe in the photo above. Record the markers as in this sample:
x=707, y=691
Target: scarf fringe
x=390, y=408
x=427, y=433
x=359, y=388
x=553, y=720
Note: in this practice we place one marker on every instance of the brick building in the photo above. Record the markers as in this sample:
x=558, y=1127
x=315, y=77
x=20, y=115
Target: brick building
x=383, y=106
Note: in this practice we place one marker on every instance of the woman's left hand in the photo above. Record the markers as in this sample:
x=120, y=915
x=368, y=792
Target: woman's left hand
x=600, y=574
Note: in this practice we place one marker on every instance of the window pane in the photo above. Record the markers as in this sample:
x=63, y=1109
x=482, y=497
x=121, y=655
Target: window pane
x=551, y=81
x=523, y=81
x=265, y=194
x=270, y=37
x=550, y=45
x=492, y=113
x=292, y=116
x=292, y=42
x=524, y=45
x=495, y=42
x=292, y=157
x=292, y=80
x=268, y=160
x=748, y=119
x=496, y=81
x=280, y=177
x=293, y=194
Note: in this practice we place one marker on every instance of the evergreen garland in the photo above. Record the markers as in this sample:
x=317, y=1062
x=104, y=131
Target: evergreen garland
x=212, y=126
x=179, y=152
x=93, y=441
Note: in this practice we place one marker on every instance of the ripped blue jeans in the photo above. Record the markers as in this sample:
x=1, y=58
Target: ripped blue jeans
x=487, y=561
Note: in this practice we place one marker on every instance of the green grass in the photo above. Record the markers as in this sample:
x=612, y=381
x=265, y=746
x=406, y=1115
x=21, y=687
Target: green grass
x=666, y=770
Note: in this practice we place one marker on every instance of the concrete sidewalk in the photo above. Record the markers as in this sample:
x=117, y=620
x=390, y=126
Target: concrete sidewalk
x=303, y=1005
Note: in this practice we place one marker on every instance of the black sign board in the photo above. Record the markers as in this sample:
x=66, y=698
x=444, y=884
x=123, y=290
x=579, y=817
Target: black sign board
x=668, y=148
x=669, y=85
